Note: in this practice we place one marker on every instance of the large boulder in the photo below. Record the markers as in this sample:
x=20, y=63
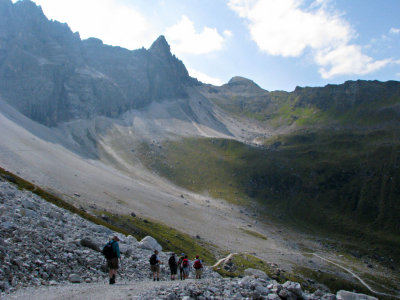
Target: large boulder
x=88, y=243
x=255, y=273
x=293, y=287
x=150, y=243
x=345, y=295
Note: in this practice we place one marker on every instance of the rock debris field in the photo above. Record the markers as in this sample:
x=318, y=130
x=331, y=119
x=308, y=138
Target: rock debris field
x=47, y=252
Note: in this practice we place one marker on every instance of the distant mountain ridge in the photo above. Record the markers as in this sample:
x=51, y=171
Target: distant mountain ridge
x=51, y=75
x=323, y=158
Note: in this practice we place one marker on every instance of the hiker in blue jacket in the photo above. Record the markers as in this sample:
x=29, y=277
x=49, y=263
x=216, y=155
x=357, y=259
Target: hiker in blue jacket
x=112, y=262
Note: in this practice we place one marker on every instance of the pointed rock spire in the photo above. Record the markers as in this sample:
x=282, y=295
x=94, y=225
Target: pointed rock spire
x=160, y=47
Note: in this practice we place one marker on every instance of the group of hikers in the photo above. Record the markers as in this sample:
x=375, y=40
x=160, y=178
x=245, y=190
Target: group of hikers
x=112, y=255
x=182, y=263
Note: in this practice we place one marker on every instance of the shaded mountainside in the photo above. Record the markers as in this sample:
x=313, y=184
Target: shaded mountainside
x=352, y=103
x=334, y=166
x=51, y=75
x=322, y=181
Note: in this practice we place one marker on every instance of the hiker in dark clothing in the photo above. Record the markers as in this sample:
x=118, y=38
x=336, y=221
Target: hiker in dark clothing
x=180, y=266
x=112, y=261
x=155, y=265
x=173, y=265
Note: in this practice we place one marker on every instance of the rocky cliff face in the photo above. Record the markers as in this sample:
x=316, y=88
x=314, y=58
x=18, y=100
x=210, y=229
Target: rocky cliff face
x=51, y=75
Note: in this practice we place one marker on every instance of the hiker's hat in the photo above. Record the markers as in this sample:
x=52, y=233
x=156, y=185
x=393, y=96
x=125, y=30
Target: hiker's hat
x=115, y=238
x=197, y=256
x=183, y=254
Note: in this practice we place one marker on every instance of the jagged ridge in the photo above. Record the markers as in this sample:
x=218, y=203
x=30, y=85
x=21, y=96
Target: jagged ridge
x=51, y=75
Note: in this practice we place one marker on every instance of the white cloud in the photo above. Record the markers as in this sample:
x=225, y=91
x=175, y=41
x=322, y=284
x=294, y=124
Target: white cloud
x=184, y=38
x=205, y=78
x=113, y=21
x=228, y=33
x=345, y=60
x=287, y=28
x=394, y=30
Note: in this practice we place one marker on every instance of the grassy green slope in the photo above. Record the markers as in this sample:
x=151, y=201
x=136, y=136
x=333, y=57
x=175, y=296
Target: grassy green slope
x=352, y=103
x=342, y=181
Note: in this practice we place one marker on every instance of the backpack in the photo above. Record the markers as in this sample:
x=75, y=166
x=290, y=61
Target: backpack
x=185, y=262
x=172, y=261
x=108, y=250
x=180, y=262
x=197, y=264
x=153, y=260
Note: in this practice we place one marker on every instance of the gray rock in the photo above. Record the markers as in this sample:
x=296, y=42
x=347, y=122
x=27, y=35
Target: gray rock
x=283, y=293
x=90, y=244
x=255, y=273
x=171, y=296
x=245, y=282
x=293, y=287
x=273, y=297
x=150, y=243
x=262, y=290
x=345, y=295
x=329, y=297
x=75, y=278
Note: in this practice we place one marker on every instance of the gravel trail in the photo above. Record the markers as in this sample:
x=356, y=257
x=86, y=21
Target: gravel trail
x=121, y=290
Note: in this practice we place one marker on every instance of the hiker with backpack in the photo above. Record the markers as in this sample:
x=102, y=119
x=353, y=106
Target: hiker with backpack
x=185, y=267
x=112, y=254
x=173, y=265
x=155, y=265
x=198, y=267
x=181, y=258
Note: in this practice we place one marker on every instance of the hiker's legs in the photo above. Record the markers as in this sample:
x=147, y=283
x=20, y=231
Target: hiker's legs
x=198, y=273
x=112, y=274
x=113, y=266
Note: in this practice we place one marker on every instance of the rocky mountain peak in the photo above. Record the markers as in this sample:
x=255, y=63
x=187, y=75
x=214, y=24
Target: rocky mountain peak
x=29, y=9
x=82, y=79
x=243, y=84
x=160, y=47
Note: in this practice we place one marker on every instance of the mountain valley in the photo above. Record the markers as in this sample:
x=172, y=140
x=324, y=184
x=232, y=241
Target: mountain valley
x=279, y=175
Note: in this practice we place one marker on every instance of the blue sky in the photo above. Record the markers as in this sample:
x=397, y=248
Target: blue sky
x=280, y=44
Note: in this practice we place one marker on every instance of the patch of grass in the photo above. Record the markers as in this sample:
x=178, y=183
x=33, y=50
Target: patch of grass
x=330, y=280
x=382, y=284
x=254, y=233
x=341, y=181
x=171, y=239
x=241, y=262
x=215, y=166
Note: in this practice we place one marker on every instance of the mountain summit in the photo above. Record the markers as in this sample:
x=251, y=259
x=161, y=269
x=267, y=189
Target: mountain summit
x=49, y=74
x=160, y=47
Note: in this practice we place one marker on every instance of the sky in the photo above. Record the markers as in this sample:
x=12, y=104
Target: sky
x=279, y=44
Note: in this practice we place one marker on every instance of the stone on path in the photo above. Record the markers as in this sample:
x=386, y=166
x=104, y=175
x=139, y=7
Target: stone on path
x=75, y=278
